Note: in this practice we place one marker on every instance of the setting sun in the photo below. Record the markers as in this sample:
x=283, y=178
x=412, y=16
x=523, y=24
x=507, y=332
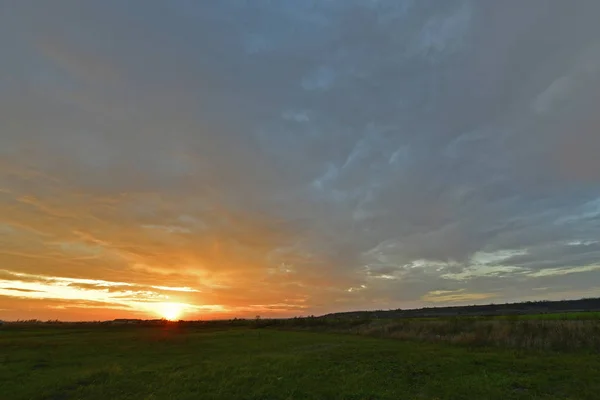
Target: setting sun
x=170, y=311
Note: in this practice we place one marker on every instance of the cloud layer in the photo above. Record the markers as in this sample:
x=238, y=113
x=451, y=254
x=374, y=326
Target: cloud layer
x=295, y=157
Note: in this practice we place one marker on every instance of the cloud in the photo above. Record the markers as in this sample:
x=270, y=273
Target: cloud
x=9, y=289
x=250, y=156
x=457, y=296
x=88, y=293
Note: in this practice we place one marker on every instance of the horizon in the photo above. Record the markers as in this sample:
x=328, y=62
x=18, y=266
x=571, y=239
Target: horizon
x=250, y=318
x=290, y=158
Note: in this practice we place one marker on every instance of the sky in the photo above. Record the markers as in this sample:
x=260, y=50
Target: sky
x=212, y=159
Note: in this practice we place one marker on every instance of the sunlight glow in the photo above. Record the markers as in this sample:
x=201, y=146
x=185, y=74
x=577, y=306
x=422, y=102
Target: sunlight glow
x=170, y=311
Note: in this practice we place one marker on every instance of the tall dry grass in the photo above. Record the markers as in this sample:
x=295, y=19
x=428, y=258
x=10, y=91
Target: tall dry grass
x=513, y=333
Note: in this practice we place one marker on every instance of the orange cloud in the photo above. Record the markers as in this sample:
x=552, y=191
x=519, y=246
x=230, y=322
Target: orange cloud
x=76, y=247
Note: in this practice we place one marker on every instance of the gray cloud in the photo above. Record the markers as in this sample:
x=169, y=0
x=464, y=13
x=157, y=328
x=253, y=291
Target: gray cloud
x=387, y=144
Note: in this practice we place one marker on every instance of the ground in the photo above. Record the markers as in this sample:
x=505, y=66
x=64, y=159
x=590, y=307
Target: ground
x=174, y=363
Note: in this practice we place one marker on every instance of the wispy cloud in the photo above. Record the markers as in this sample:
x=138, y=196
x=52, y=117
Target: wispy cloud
x=456, y=296
x=95, y=293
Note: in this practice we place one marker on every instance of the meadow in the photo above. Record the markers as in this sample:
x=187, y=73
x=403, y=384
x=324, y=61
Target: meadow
x=579, y=331
x=562, y=332
x=179, y=361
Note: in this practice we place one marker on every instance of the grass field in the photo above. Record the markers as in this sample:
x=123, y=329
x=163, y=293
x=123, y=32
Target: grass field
x=581, y=315
x=578, y=331
x=577, y=315
x=178, y=363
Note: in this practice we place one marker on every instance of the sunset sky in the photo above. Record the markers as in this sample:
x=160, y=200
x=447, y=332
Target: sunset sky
x=211, y=159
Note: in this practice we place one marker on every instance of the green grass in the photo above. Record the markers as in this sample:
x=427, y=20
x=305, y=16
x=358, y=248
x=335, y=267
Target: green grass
x=172, y=363
x=581, y=315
